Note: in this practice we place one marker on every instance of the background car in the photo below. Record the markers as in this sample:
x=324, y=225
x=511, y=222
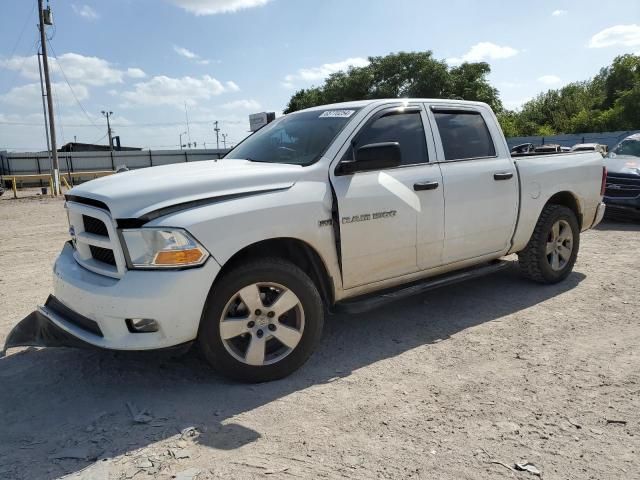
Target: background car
x=622, y=190
x=590, y=147
x=549, y=148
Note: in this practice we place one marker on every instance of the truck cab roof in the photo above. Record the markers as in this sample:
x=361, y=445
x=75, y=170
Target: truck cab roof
x=384, y=101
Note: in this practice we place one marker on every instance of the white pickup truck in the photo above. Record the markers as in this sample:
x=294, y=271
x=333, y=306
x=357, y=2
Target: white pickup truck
x=335, y=207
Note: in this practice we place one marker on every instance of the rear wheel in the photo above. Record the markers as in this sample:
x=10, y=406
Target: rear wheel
x=553, y=248
x=262, y=321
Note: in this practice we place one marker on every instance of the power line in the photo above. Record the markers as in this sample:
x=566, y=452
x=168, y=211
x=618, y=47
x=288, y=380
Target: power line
x=128, y=125
x=24, y=27
x=100, y=139
x=57, y=111
x=71, y=88
x=31, y=51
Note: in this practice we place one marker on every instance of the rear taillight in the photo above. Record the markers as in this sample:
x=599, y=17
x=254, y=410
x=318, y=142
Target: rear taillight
x=604, y=181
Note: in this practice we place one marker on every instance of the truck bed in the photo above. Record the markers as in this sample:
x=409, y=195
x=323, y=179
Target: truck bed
x=579, y=172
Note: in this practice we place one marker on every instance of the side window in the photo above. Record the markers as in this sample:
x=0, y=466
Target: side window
x=404, y=128
x=464, y=135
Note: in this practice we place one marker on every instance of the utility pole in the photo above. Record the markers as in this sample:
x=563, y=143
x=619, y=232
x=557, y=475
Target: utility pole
x=44, y=110
x=224, y=140
x=47, y=81
x=183, y=133
x=108, y=114
x=186, y=116
x=217, y=130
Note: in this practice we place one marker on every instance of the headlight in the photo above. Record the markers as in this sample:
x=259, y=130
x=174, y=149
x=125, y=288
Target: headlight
x=162, y=248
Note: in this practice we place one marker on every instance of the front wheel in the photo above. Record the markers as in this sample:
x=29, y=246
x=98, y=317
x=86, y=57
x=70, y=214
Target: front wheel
x=262, y=321
x=553, y=248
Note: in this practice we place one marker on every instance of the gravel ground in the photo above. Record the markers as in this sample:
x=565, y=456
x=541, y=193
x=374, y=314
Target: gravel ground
x=459, y=383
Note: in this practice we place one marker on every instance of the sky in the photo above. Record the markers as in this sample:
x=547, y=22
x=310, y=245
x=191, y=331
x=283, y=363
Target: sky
x=155, y=63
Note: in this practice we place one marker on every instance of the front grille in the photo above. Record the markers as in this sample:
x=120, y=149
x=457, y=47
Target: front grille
x=103, y=255
x=621, y=185
x=72, y=317
x=97, y=247
x=95, y=226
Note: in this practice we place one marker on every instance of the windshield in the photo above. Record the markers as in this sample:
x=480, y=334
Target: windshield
x=299, y=138
x=626, y=147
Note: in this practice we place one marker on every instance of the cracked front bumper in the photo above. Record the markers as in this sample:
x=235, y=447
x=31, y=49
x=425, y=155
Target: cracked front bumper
x=93, y=309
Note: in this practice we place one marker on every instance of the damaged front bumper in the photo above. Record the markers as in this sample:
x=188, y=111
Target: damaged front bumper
x=37, y=330
x=92, y=310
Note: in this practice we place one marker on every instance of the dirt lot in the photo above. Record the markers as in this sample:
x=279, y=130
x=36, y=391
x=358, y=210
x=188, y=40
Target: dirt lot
x=463, y=382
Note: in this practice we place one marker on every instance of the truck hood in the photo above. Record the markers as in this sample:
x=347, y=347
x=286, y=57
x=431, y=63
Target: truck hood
x=136, y=193
x=623, y=164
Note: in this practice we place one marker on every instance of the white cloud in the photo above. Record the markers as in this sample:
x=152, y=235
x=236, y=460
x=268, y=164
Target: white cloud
x=212, y=7
x=232, y=86
x=559, y=13
x=27, y=66
x=77, y=68
x=323, y=71
x=183, y=52
x=549, y=79
x=242, y=105
x=484, y=51
x=30, y=95
x=135, y=73
x=163, y=90
x=624, y=35
x=85, y=11
x=186, y=53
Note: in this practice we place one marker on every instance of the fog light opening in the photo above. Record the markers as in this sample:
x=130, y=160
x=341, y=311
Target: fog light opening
x=141, y=325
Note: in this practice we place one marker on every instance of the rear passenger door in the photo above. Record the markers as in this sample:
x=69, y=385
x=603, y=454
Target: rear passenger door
x=480, y=182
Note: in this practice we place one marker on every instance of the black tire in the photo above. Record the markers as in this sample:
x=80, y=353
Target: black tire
x=533, y=260
x=269, y=270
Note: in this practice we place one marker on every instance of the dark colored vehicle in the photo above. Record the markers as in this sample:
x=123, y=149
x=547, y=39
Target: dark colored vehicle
x=523, y=148
x=623, y=175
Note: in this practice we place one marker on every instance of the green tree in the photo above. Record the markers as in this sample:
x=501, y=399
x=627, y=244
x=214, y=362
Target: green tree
x=609, y=101
x=399, y=75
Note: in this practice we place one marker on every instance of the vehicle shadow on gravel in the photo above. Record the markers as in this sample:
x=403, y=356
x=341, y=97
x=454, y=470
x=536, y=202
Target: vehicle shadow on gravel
x=620, y=223
x=62, y=408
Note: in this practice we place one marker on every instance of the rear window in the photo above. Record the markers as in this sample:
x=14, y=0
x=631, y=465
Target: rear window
x=464, y=134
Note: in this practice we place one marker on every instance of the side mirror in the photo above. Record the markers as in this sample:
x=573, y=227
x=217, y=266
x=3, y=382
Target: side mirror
x=375, y=156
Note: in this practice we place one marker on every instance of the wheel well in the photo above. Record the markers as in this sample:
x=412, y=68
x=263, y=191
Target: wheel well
x=567, y=199
x=297, y=252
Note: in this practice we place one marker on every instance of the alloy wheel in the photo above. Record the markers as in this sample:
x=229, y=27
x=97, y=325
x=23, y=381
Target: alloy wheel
x=559, y=245
x=262, y=324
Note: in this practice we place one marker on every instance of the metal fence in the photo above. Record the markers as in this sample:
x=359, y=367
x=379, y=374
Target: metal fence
x=611, y=139
x=39, y=162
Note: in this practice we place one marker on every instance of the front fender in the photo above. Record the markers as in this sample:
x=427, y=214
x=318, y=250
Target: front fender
x=302, y=212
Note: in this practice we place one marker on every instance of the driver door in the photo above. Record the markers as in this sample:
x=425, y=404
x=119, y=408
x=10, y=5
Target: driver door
x=380, y=211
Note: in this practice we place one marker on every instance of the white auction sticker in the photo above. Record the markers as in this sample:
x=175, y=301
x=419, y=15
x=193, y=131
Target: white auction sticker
x=337, y=114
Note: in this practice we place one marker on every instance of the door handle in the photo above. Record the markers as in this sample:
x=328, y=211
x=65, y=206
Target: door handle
x=425, y=186
x=503, y=175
